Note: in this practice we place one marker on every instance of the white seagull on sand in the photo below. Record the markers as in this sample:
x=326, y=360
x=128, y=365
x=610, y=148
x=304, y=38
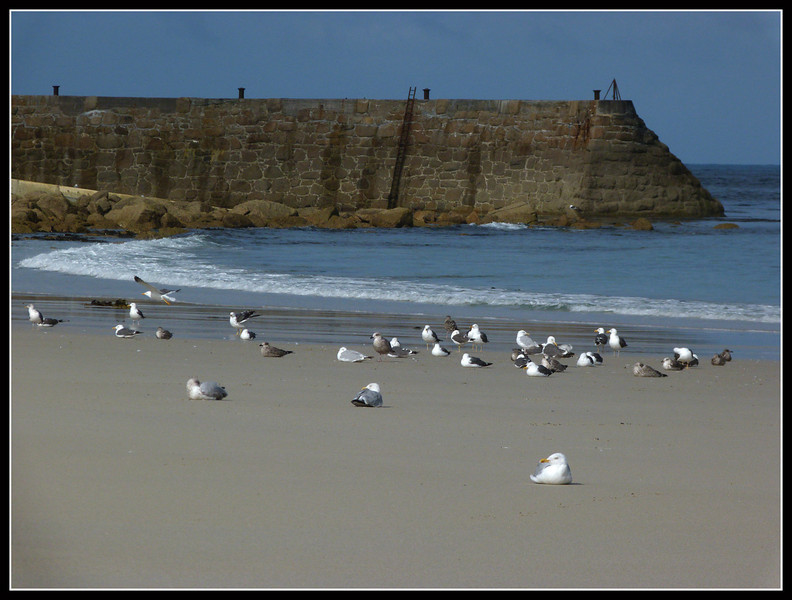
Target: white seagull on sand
x=527, y=344
x=477, y=337
x=533, y=369
x=154, y=293
x=473, y=361
x=429, y=336
x=685, y=356
x=208, y=390
x=123, y=332
x=368, y=396
x=553, y=470
x=438, y=350
x=615, y=341
x=346, y=355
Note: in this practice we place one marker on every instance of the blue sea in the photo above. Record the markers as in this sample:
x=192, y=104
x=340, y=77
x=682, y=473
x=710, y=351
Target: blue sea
x=683, y=283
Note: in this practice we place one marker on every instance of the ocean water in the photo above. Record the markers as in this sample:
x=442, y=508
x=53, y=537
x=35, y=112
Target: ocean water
x=716, y=286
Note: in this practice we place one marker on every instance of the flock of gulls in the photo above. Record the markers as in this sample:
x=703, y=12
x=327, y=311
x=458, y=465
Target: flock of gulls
x=535, y=358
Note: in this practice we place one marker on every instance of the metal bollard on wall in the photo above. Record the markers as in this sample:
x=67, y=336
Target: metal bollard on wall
x=241, y=93
x=55, y=89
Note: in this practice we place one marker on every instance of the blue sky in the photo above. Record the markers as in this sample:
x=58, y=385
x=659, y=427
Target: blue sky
x=707, y=83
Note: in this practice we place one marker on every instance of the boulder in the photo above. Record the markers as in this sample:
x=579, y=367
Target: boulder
x=386, y=217
x=517, y=212
x=642, y=224
x=262, y=212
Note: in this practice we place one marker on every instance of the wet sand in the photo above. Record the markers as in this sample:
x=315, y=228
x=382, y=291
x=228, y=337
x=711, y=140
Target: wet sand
x=118, y=480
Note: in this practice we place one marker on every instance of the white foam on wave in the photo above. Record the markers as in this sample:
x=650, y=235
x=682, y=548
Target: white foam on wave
x=176, y=261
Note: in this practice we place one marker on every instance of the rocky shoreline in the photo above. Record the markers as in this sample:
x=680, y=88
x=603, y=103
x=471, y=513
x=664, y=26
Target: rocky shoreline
x=45, y=208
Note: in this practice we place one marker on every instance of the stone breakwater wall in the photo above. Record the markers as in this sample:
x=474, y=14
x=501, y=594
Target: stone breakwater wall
x=478, y=159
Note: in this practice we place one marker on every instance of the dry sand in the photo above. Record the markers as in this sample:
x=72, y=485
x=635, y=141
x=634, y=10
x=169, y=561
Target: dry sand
x=119, y=481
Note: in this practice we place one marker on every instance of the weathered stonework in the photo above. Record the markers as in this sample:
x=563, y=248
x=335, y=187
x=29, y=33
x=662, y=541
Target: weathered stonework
x=473, y=156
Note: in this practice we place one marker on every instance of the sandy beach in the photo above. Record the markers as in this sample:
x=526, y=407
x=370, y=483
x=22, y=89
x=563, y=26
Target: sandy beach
x=119, y=481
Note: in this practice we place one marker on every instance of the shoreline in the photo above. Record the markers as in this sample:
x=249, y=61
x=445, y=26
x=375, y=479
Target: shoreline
x=306, y=323
x=117, y=480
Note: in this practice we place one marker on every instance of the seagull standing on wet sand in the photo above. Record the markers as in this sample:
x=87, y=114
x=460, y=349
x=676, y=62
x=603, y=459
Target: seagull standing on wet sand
x=238, y=321
x=600, y=339
x=381, y=345
x=135, y=313
x=429, y=336
x=615, y=341
x=34, y=315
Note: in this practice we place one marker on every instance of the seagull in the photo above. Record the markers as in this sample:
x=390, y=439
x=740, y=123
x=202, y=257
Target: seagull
x=553, y=470
x=641, y=370
x=237, y=321
x=163, y=334
x=368, y=396
x=163, y=294
x=135, y=313
x=429, y=336
x=246, y=334
x=686, y=356
x=346, y=355
x=208, y=390
x=721, y=358
x=438, y=350
x=534, y=370
x=600, y=339
x=476, y=336
x=34, y=315
x=450, y=325
x=459, y=339
x=672, y=364
x=615, y=341
x=473, y=361
x=50, y=322
x=520, y=360
x=554, y=350
x=381, y=345
x=525, y=342
x=551, y=364
x=589, y=359
x=123, y=332
x=269, y=351
x=398, y=351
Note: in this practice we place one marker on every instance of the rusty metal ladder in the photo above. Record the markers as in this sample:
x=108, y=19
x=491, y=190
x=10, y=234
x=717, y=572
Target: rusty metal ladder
x=401, y=151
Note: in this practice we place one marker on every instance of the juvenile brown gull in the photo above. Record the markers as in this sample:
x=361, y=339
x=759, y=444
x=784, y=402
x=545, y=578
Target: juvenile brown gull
x=381, y=345
x=270, y=351
x=163, y=334
x=641, y=370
